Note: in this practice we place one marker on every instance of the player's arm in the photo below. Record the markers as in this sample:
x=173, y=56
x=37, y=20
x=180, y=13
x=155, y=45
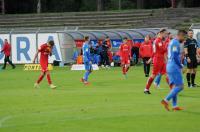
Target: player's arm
x=36, y=55
x=186, y=51
x=176, y=55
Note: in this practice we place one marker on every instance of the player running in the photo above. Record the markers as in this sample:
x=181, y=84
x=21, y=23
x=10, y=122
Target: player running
x=87, y=60
x=191, y=52
x=159, y=59
x=45, y=51
x=125, y=56
x=174, y=71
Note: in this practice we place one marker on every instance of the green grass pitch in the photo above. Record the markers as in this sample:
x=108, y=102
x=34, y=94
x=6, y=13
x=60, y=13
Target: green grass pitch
x=110, y=104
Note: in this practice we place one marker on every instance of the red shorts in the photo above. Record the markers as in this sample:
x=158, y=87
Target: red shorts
x=44, y=67
x=159, y=68
x=125, y=61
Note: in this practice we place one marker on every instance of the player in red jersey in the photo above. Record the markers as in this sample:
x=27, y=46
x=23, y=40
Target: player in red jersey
x=45, y=51
x=125, y=55
x=159, y=59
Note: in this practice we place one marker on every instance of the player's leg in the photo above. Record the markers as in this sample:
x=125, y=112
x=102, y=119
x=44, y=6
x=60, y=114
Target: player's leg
x=193, y=73
x=157, y=80
x=42, y=74
x=49, y=80
x=136, y=55
x=145, y=66
x=10, y=62
x=88, y=69
x=5, y=62
x=175, y=79
x=148, y=85
x=155, y=72
x=189, y=72
x=148, y=68
x=127, y=66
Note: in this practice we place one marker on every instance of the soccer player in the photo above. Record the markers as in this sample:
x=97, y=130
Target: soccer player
x=125, y=56
x=191, y=53
x=45, y=51
x=159, y=76
x=87, y=60
x=7, y=51
x=174, y=71
x=159, y=59
x=146, y=53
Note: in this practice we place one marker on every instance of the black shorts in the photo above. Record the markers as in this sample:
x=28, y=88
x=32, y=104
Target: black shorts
x=193, y=64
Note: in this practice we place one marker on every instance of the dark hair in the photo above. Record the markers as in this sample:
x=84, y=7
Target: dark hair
x=86, y=38
x=190, y=30
x=51, y=42
x=125, y=38
x=163, y=30
x=181, y=31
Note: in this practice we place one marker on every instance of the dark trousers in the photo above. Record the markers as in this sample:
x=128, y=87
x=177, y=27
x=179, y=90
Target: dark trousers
x=146, y=66
x=135, y=50
x=7, y=59
x=105, y=59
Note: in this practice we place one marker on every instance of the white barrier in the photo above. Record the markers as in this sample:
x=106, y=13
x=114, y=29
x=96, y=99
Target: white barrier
x=79, y=67
x=24, y=46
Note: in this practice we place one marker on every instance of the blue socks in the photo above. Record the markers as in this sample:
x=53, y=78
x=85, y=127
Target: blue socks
x=157, y=79
x=173, y=95
x=87, y=73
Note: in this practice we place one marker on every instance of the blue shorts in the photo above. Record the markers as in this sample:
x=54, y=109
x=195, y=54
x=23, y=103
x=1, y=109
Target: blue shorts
x=175, y=78
x=88, y=66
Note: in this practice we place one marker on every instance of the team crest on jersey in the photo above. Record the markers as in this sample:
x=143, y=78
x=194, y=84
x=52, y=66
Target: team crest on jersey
x=160, y=44
x=174, y=49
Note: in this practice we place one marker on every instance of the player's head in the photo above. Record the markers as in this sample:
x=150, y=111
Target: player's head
x=163, y=33
x=147, y=38
x=107, y=39
x=190, y=33
x=181, y=35
x=170, y=36
x=87, y=38
x=51, y=43
x=125, y=39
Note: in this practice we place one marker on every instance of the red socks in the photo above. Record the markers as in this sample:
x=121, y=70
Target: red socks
x=49, y=79
x=149, y=82
x=124, y=70
x=40, y=79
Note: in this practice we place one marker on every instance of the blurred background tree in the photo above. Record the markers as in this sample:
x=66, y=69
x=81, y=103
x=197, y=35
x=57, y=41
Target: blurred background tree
x=30, y=6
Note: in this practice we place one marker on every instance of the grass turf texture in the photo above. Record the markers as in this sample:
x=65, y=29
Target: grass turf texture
x=110, y=104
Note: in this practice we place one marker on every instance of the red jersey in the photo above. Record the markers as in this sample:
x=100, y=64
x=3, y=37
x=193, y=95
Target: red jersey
x=6, y=49
x=45, y=51
x=125, y=50
x=146, y=50
x=159, y=51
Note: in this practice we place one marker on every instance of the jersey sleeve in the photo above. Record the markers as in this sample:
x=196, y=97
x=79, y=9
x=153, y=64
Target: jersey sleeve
x=175, y=54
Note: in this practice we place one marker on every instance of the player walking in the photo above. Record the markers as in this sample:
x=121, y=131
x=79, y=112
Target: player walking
x=125, y=56
x=45, y=51
x=191, y=53
x=174, y=71
x=7, y=51
x=146, y=53
x=87, y=60
x=159, y=59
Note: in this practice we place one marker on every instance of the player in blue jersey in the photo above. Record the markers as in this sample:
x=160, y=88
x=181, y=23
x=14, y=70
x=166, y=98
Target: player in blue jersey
x=87, y=60
x=174, y=71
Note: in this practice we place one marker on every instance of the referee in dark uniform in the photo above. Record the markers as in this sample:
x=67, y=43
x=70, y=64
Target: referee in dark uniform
x=191, y=55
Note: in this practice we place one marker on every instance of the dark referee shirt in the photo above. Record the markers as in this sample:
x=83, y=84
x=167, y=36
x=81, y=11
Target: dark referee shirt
x=191, y=45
